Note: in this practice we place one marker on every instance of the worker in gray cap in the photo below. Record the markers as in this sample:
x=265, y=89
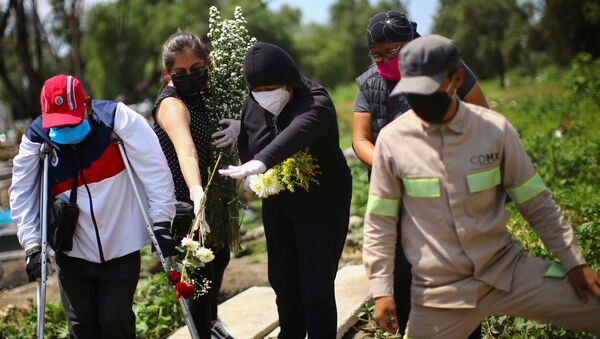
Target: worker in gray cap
x=446, y=186
x=387, y=33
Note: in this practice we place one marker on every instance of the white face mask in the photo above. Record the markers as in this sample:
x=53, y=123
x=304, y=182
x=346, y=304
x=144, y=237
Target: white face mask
x=273, y=101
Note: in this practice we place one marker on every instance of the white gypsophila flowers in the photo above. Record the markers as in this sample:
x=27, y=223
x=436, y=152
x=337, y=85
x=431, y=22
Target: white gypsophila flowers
x=230, y=41
x=204, y=254
x=190, y=244
x=266, y=184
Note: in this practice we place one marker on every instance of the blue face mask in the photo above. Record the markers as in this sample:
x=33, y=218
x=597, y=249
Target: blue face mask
x=70, y=135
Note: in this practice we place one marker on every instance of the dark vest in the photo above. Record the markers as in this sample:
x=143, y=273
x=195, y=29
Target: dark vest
x=64, y=157
x=383, y=109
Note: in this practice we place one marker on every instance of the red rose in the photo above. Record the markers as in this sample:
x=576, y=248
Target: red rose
x=174, y=277
x=184, y=290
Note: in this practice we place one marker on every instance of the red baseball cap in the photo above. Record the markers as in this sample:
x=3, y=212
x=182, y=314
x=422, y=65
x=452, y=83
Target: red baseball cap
x=63, y=101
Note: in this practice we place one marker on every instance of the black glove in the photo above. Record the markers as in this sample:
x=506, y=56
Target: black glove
x=34, y=264
x=165, y=240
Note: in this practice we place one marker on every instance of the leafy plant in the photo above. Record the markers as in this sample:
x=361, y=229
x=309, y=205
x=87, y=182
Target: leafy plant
x=20, y=322
x=156, y=309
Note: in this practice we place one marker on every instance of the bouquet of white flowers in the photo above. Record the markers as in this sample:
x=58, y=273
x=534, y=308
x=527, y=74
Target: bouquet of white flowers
x=225, y=95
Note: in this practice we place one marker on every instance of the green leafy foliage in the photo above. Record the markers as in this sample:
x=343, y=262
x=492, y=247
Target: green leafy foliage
x=583, y=79
x=560, y=134
x=157, y=314
x=157, y=311
x=360, y=188
x=20, y=322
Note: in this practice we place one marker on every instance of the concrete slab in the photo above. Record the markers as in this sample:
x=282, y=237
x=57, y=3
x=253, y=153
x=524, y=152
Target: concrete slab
x=351, y=292
x=20, y=296
x=249, y=315
x=253, y=313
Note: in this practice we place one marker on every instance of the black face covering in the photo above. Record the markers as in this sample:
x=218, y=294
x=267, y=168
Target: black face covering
x=190, y=84
x=431, y=107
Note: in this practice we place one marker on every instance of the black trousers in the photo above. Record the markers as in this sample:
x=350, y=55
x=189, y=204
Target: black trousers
x=97, y=297
x=305, y=237
x=204, y=308
x=402, y=282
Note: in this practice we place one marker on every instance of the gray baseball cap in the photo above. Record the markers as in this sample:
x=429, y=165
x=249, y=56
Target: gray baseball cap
x=424, y=63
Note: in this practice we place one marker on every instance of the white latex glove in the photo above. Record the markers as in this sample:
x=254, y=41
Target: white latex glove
x=248, y=180
x=229, y=134
x=197, y=195
x=244, y=170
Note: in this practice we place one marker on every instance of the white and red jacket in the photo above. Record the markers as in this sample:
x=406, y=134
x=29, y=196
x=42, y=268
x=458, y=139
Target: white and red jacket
x=119, y=228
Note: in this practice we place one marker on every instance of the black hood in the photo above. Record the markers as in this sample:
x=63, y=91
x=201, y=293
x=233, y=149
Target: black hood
x=268, y=64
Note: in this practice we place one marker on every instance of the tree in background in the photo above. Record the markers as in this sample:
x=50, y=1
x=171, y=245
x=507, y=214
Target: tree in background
x=29, y=51
x=276, y=27
x=124, y=41
x=115, y=46
x=336, y=52
x=568, y=27
x=492, y=34
x=66, y=28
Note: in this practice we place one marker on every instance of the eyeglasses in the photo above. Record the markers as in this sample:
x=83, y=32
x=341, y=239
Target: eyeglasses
x=387, y=56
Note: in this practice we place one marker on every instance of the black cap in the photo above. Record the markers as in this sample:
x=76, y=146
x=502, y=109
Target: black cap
x=268, y=64
x=390, y=26
x=424, y=64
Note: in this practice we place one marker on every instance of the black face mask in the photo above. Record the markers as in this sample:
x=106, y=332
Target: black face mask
x=432, y=107
x=190, y=84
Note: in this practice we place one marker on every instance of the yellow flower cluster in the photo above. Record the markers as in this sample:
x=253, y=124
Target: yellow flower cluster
x=299, y=170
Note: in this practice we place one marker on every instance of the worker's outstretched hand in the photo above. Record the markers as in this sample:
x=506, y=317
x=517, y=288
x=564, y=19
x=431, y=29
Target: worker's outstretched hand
x=584, y=278
x=385, y=314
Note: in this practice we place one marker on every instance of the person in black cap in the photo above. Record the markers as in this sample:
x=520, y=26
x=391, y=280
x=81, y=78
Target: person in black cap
x=387, y=33
x=305, y=230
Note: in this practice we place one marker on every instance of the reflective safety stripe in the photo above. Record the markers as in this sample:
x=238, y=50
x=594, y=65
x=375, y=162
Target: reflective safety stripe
x=556, y=270
x=422, y=188
x=528, y=190
x=483, y=180
x=383, y=206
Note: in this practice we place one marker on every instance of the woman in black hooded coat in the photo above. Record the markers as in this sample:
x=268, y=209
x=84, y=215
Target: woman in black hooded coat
x=305, y=230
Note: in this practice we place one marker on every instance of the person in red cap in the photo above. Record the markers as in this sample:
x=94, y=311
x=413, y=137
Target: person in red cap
x=99, y=263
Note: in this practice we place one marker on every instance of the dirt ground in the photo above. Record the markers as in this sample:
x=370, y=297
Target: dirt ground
x=241, y=273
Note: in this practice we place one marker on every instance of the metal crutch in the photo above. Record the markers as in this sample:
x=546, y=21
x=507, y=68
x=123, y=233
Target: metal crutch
x=182, y=302
x=41, y=284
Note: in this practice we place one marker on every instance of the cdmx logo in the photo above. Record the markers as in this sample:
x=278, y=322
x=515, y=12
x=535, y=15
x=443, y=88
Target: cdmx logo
x=484, y=159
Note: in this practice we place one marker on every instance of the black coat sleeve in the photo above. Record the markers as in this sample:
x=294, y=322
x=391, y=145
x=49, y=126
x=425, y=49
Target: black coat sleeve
x=314, y=117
